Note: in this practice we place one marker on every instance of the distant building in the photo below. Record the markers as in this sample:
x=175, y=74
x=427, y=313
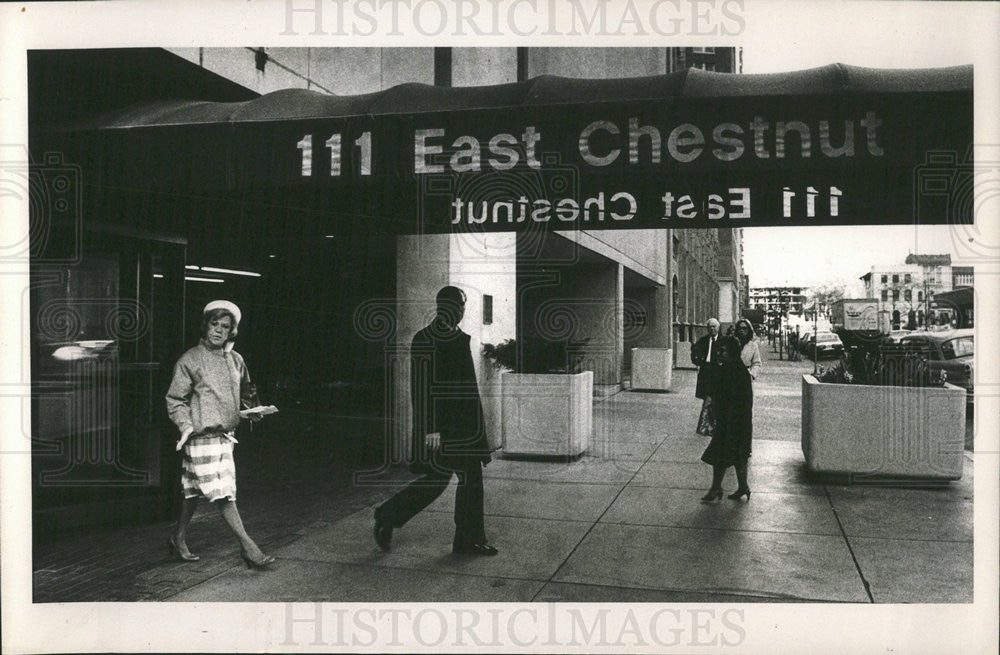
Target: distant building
x=722, y=60
x=778, y=302
x=906, y=291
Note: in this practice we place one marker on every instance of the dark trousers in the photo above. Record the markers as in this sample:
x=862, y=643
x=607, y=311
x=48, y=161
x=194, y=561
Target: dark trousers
x=407, y=503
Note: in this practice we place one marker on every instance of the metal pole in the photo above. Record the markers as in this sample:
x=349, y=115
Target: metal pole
x=781, y=344
x=815, y=334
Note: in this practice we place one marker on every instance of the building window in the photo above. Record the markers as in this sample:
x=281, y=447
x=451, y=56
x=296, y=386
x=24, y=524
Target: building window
x=885, y=295
x=885, y=279
x=906, y=278
x=920, y=296
x=703, y=51
x=895, y=295
x=442, y=66
x=487, y=310
x=907, y=295
x=522, y=64
x=895, y=279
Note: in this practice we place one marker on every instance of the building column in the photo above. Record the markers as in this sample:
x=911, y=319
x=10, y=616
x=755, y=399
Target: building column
x=422, y=268
x=619, y=325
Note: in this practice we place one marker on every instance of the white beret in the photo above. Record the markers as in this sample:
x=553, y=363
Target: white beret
x=226, y=305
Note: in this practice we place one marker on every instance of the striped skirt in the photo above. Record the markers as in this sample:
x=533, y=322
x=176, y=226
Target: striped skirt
x=209, y=470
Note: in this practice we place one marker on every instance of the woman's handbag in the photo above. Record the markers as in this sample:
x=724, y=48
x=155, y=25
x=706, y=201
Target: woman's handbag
x=707, y=419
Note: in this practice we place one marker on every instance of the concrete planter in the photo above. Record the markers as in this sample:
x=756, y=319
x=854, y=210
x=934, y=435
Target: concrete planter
x=490, y=394
x=682, y=351
x=547, y=414
x=904, y=431
x=652, y=368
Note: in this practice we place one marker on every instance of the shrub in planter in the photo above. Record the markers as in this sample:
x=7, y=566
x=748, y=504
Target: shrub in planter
x=546, y=403
x=871, y=361
x=537, y=355
x=881, y=411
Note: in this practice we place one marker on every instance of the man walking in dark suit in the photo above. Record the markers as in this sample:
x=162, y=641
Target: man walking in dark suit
x=449, y=436
x=701, y=356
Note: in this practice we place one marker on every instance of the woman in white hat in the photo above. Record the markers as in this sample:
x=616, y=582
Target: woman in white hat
x=210, y=386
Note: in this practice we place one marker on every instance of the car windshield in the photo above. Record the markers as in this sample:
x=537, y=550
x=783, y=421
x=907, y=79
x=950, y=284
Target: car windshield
x=959, y=347
x=827, y=337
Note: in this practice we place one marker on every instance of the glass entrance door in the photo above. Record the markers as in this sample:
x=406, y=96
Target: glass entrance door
x=104, y=330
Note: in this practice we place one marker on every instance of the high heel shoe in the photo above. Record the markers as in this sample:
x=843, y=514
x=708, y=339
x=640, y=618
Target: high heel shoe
x=739, y=494
x=176, y=552
x=258, y=565
x=713, y=494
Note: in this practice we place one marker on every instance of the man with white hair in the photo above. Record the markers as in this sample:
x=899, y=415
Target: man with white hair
x=702, y=354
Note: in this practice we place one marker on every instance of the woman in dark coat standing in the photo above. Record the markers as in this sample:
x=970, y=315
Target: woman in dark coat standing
x=731, y=443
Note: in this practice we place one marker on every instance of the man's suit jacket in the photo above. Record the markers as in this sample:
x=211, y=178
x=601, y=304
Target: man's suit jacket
x=446, y=399
x=699, y=353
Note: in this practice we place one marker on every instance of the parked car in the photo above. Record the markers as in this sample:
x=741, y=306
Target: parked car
x=950, y=351
x=827, y=344
x=897, y=335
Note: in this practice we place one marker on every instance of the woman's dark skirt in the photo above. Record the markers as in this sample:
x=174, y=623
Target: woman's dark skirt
x=731, y=443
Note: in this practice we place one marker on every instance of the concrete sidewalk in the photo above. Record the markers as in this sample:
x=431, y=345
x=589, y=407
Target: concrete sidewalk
x=624, y=523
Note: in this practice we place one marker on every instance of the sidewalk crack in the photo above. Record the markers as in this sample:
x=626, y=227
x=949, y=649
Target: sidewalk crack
x=596, y=521
x=850, y=549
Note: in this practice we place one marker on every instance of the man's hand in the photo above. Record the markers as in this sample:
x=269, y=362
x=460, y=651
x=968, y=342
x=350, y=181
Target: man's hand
x=433, y=440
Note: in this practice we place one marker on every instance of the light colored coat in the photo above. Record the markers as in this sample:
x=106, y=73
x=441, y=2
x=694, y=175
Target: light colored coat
x=207, y=391
x=750, y=354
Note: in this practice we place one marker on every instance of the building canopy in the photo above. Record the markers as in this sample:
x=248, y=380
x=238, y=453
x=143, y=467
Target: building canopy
x=831, y=145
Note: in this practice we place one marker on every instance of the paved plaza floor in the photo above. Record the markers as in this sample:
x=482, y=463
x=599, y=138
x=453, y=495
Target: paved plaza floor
x=621, y=523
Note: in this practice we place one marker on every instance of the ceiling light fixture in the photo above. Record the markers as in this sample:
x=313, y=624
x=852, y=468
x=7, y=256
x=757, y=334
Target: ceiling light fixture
x=230, y=271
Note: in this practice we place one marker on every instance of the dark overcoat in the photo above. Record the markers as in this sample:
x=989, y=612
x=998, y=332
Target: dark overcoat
x=733, y=395
x=446, y=399
x=706, y=381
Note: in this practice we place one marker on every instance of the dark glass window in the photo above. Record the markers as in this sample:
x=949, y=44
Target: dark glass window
x=487, y=309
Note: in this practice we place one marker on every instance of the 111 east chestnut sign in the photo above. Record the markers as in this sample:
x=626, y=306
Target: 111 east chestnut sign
x=881, y=147
x=601, y=144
